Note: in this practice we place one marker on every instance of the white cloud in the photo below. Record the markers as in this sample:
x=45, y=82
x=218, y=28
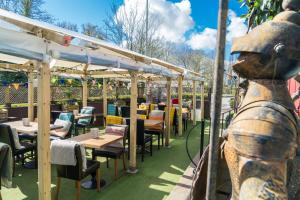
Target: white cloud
x=237, y=26
x=174, y=18
x=206, y=40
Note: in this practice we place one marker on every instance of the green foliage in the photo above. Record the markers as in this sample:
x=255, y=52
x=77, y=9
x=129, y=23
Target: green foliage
x=260, y=11
x=13, y=77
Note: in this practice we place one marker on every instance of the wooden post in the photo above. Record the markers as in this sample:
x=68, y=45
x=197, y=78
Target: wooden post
x=168, y=119
x=194, y=103
x=84, y=92
x=30, y=96
x=216, y=103
x=104, y=92
x=44, y=167
x=180, y=80
x=133, y=119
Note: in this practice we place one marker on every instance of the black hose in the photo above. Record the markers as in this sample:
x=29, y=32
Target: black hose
x=186, y=144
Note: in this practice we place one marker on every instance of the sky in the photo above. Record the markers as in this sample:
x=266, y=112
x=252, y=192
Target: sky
x=192, y=22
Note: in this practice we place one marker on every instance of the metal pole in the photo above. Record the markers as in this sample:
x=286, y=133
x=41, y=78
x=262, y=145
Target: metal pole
x=147, y=26
x=216, y=102
x=202, y=120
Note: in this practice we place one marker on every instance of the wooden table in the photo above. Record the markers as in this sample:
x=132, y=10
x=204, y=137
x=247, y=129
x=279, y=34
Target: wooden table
x=90, y=141
x=30, y=130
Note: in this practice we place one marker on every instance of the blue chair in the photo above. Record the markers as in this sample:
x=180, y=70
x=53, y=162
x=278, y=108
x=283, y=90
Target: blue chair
x=85, y=122
x=66, y=116
x=112, y=110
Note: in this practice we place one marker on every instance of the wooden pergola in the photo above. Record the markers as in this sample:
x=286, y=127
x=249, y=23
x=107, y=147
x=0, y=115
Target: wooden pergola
x=44, y=49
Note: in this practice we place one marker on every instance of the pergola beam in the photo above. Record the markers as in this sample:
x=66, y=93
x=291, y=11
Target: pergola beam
x=23, y=67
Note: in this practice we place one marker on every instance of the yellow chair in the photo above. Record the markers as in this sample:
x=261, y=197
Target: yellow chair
x=113, y=120
x=152, y=107
x=142, y=116
x=172, y=114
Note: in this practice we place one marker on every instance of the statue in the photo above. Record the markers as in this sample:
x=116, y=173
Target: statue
x=263, y=135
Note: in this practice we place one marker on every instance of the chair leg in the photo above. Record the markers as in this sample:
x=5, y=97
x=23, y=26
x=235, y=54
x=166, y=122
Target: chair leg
x=143, y=151
x=98, y=179
x=151, y=147
x=158, y=146
x=14, y=166
x=162, y=142
x=0, y=196
x=116, y=168
x=124, y=164
x=78, y=190
x=57, y=188
x=107, y=164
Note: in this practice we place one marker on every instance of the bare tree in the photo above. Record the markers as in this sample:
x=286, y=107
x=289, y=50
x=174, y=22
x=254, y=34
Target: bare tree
x=29, y=8
x=68, y=25
x=127, y=28
x=92, y=30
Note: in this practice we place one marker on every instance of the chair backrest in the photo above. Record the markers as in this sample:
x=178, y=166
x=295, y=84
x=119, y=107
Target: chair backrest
x=157, y=115
x=72, y=172
x=120, y=130
x=140, y=130
x=175, y=101
x=87, y=110
x=161, y=107
x=111, y=109
x=142, y=112
x=70, y=118
x=113, y=120
x=6, y=136
x=3, y=153
x=152, y=107
x=125, y=111
x=172, y=114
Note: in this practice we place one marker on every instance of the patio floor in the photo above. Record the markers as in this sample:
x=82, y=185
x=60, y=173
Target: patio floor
x=155, y=179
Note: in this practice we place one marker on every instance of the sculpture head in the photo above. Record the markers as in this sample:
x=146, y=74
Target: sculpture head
x=271, y=50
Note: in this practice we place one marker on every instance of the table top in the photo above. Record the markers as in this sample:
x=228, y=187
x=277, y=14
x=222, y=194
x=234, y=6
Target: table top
x=32, y=129
x=89, y=140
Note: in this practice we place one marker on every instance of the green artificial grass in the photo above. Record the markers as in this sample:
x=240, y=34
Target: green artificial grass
x=155, y=179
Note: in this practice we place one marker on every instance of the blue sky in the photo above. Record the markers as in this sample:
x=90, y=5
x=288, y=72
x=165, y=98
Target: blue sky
x=204, y=12
x=201, y=16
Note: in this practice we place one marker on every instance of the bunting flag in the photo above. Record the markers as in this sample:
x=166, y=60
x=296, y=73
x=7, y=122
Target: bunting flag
x=4, y=83
x=70, y=81
x=16, y=85
x=94, y=82
x=61, y=81
x=26, y=85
